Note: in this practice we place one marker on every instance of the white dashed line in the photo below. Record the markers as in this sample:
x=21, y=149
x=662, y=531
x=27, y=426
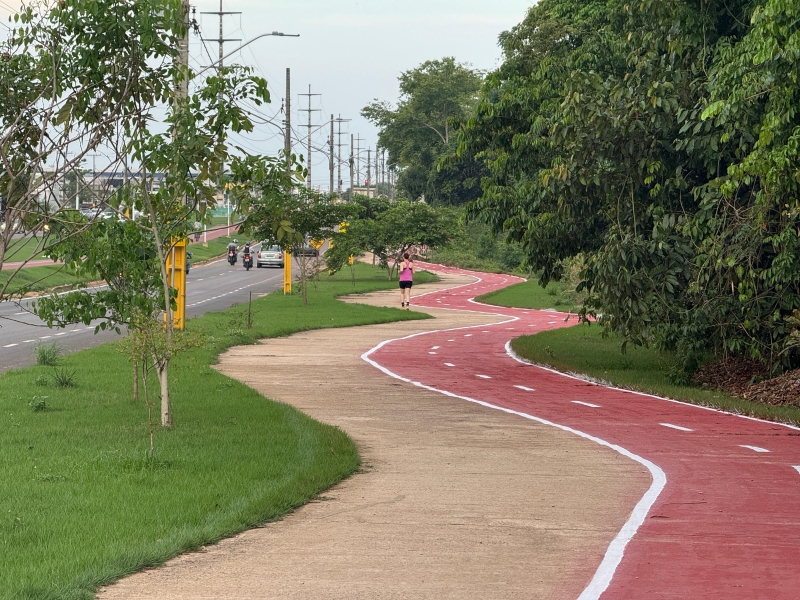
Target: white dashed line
x=451, y=340
x=431, y=352
x=449, y=365
x=526, y=389
x=482, y=376
x=10, y=345
x=753, y=448
x=28, y=341
x=468, y=335
x=435, y=348
x=552, y=322
x=678, y=427
x=797, y=468
x=62, y=333
x=586, y=404
x=44, y=337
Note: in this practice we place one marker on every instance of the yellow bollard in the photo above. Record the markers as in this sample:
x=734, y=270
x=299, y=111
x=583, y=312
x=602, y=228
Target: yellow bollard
x=176, y=272
x=287, y=273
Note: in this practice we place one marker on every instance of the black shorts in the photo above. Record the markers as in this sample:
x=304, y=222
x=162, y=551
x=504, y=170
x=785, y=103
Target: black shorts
x=406, y=285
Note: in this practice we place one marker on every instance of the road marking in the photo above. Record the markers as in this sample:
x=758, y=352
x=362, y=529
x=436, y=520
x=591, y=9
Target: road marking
x=468, y=335
x=435, y=348
x=28, y=341
x=451, y=340
x=431, y=352
x=797, y=468
x=753, y=448
x=586, y=404
x=201, y=279
x=522, y=387
x=20, y=314
x=552, y=322
x=482, y=376
x=10, y=345
x=510, y=328
x=449, y=365
x=44, y=337
x=678, y=427
x=62, y=333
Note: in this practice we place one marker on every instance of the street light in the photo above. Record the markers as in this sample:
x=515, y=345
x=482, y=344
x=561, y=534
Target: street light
x=232, y=52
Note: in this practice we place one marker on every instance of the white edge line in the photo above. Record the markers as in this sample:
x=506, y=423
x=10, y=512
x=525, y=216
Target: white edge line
x=797, y=468
x=518, y=358
x=613, y=556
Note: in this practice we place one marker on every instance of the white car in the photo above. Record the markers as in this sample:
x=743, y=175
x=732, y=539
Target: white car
x=269, y=256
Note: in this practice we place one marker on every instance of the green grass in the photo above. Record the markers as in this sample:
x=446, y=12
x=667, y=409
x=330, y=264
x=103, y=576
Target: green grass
x=35, y=279
x=80, y=503
x=530, y=294
x=216, y=247
x=22, y=249
x=583, y=349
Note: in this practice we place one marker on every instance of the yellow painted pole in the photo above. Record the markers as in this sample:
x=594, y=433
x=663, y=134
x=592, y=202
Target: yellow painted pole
x=176, y=271
x=287, y=273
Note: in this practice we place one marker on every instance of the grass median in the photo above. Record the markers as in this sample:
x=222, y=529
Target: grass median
x=529, y=294
x=82, y=505
x=584, y=349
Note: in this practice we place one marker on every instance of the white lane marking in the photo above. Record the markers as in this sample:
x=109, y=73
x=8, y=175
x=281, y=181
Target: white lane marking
x=201, y=279
x=10, y=345
x=431, y=352
x=62, y=333
x=613, y=556
x=468, y=335
x=753, y=448
x=511, y=328
x=524, y=388
x=797, y=468
x=552, y=322
x=20, y=314
x=28, y=341
x=510, y=352
x=434, y=347
x=449, y=365
x=590, y=405
x=451, y=340
x=678, y=427
x=44, y=337
x=482, y=376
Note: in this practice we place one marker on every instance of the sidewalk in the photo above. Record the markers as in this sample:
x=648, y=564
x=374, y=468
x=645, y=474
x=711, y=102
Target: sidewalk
x=454, y=501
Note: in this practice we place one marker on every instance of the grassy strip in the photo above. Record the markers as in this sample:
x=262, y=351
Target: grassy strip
x=36, y=279
x=22, y=249
x=584, y=349
x=81, y=503
x=530, y=294
x=216, y=247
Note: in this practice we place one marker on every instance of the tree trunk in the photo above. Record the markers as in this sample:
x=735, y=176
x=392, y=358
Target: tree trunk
x=166, y=413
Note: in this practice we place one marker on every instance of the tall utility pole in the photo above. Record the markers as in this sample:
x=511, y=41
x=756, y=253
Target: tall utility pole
x=369, y=173
x=352, y=164
x=359, y=139
x=287, y=122
x=377, y=172
x=221, y=39
x=182, y=89
x=330, y=156
x=339, y=145
x=309, y=110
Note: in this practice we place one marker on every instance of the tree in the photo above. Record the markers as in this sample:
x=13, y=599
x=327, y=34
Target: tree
x=419, y=131
x=392, y=232
x=187, y=156
x=292, y=220
x=74, y=76
x=658, y=140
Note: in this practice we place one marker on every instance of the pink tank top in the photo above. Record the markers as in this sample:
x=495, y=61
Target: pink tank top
x=407, y=274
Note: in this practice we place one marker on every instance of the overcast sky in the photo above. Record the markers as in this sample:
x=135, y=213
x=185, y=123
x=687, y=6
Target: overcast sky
x=350, y=51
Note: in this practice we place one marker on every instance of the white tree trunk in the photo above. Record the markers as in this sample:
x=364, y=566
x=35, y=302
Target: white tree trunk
x=166, y=413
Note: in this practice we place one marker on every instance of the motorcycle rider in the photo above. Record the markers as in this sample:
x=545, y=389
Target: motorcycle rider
x=246, y=250
x=233, y=247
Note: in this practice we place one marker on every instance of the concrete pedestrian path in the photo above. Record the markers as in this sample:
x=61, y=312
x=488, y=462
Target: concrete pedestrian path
x=454, y=500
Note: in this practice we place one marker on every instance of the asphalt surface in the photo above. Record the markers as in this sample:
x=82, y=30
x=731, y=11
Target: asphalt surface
x=211, y=287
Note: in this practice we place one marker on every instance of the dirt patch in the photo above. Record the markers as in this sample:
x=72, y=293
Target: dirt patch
x=745, y=379
x=454, y=501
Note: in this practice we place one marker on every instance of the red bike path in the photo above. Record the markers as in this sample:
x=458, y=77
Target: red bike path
x=722, y=516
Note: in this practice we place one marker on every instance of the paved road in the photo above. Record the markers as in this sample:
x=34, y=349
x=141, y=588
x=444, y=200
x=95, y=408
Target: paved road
x=211, y=287
x=721, y=518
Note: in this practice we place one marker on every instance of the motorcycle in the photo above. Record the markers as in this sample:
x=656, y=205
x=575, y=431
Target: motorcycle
x=247, y=261
x=232, y=256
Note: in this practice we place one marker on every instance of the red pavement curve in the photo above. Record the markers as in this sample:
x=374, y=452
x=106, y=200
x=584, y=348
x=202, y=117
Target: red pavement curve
x=722, y=516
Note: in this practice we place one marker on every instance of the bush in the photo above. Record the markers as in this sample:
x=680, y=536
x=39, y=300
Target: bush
x=48, y=355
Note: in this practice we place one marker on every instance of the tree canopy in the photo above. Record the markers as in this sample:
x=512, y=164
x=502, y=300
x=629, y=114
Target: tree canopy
x=419, y=131
x=659, y=140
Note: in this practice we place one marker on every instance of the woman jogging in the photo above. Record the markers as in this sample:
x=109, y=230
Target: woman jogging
x=406, y=281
